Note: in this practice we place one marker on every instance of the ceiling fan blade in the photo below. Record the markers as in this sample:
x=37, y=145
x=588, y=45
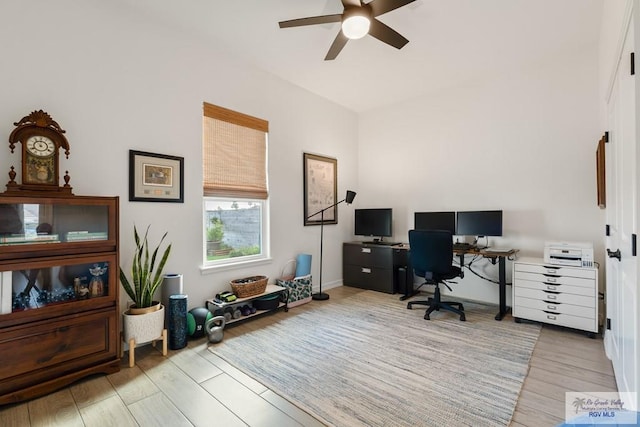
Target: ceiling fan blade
x=349, y=3
x=313, y=20
x=383, y=6
x=336, y=46
x=387, y=34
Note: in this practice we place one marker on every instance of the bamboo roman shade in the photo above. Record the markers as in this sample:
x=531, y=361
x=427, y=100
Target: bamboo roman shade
x=234, y=154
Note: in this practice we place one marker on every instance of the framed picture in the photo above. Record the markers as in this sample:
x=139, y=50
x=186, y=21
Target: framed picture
x=600, y=173
x=155, y=177
x=320, y=189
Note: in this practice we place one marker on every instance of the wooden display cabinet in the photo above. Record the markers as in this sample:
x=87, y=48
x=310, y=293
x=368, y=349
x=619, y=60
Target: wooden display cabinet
x=59, y=304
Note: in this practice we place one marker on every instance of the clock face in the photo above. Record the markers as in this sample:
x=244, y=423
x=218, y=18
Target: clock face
x=40, y=146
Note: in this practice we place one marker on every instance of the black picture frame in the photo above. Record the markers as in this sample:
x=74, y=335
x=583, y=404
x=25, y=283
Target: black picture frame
x=155, y=177
x=320, y=189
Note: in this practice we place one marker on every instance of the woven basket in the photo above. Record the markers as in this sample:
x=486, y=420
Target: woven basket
x=249, y=286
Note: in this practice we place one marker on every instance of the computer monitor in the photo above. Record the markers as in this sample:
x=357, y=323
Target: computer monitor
x=435, y=221
x=479, y=223
x=373, y=222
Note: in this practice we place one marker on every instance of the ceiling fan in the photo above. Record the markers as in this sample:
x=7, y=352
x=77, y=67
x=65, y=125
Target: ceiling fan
x=358, y=20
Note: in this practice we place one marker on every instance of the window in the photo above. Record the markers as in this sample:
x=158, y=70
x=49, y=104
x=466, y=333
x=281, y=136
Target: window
x=234, y=187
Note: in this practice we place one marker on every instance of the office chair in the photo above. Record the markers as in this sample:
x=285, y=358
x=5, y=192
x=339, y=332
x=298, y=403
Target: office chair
x=431, y=256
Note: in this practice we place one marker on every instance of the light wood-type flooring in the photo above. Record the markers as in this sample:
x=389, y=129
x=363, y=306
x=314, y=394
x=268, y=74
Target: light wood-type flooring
x=194, y=387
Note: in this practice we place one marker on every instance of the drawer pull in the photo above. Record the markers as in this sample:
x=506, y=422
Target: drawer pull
x=551, y=271
x=551, y=307
x=366, y=250
x=366, y=270
x=551, y=288
x=551, y=317
x=551, y=279
x=552, y=296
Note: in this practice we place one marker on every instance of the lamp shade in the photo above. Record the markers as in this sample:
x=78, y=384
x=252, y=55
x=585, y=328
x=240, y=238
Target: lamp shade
x=356, y=22
x=355, y=27
x=350, y=196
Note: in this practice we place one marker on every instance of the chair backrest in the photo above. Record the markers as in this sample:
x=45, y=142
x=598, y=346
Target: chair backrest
x=431, y=252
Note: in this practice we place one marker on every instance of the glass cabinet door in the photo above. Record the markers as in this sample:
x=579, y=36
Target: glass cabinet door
x=55, y=226
x=43, y=284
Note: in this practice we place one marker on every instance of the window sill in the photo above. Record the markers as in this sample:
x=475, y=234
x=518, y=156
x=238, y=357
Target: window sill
x=209, y=269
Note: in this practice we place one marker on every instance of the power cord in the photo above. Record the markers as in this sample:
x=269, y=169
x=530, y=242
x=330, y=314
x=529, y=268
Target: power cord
x=468, y=266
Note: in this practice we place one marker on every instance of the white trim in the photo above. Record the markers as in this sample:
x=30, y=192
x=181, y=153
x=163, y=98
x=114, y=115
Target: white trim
x=210, y=269
x=628, y=13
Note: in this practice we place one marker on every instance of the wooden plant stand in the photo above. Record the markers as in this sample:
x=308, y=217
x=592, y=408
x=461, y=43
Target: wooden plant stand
x=132, y=347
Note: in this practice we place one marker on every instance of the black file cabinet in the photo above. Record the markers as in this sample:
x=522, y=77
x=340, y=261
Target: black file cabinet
x=376, y=267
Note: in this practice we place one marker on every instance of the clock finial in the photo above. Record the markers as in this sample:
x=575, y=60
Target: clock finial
x=12, y=177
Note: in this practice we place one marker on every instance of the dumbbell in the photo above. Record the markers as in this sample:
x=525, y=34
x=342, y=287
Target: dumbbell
x=228, y=314
x=236, y=313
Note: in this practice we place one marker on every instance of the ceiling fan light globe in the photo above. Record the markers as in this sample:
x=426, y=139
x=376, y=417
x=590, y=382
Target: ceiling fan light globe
x=355, y=27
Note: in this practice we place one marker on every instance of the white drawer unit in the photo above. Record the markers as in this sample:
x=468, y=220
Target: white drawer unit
x=559, y=295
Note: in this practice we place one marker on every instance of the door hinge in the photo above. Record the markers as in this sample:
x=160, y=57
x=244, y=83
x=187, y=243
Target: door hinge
x=608, y=323
x=633, y=64
x=606, y=136
x=634, y=244
x=607, y=230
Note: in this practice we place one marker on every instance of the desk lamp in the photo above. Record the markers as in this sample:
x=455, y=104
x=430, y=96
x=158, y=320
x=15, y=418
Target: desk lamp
x=321, y=296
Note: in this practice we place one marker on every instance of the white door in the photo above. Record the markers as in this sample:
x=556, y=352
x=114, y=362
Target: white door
x=622, y=205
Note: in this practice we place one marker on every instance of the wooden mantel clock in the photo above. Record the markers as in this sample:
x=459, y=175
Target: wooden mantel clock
x=41, y=138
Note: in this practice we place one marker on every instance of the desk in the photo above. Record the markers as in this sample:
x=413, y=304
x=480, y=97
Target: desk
x=501, y=258
x=495, y=256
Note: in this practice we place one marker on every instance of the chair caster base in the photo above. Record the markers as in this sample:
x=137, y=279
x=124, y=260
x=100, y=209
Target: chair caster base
x=463, y=318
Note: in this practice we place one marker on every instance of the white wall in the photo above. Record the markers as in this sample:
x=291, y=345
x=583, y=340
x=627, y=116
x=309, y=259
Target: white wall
x=115, y=82
x=524, y=143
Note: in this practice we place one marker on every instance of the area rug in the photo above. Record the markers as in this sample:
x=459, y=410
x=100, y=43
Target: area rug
x=366, y=360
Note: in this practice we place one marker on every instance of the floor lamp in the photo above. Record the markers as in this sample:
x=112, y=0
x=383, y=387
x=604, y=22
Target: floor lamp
x=348, y=199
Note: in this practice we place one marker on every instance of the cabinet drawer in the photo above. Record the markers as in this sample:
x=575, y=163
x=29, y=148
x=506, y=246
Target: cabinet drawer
x=76, y=341
x=562, y=298
x=554, y=307
x=376, y=279
x=586, y=273
x=567, y=320
x=556, y=280
x=568, y=289
x=367, y=256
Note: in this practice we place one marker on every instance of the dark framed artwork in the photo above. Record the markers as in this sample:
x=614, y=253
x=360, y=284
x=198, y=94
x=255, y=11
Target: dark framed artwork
x=155, y=177
x=601, y=174
x=320, y=189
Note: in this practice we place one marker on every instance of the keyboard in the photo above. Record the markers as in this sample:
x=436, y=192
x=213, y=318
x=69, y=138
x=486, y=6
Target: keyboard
x=498, y=250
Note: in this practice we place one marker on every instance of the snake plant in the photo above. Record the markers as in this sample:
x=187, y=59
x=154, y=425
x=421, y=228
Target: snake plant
x=145, y=277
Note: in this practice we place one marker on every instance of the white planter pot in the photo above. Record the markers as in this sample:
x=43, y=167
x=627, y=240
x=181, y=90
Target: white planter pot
x=143, y=327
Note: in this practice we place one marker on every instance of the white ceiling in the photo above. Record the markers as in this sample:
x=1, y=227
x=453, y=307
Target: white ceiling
x=451, y=42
